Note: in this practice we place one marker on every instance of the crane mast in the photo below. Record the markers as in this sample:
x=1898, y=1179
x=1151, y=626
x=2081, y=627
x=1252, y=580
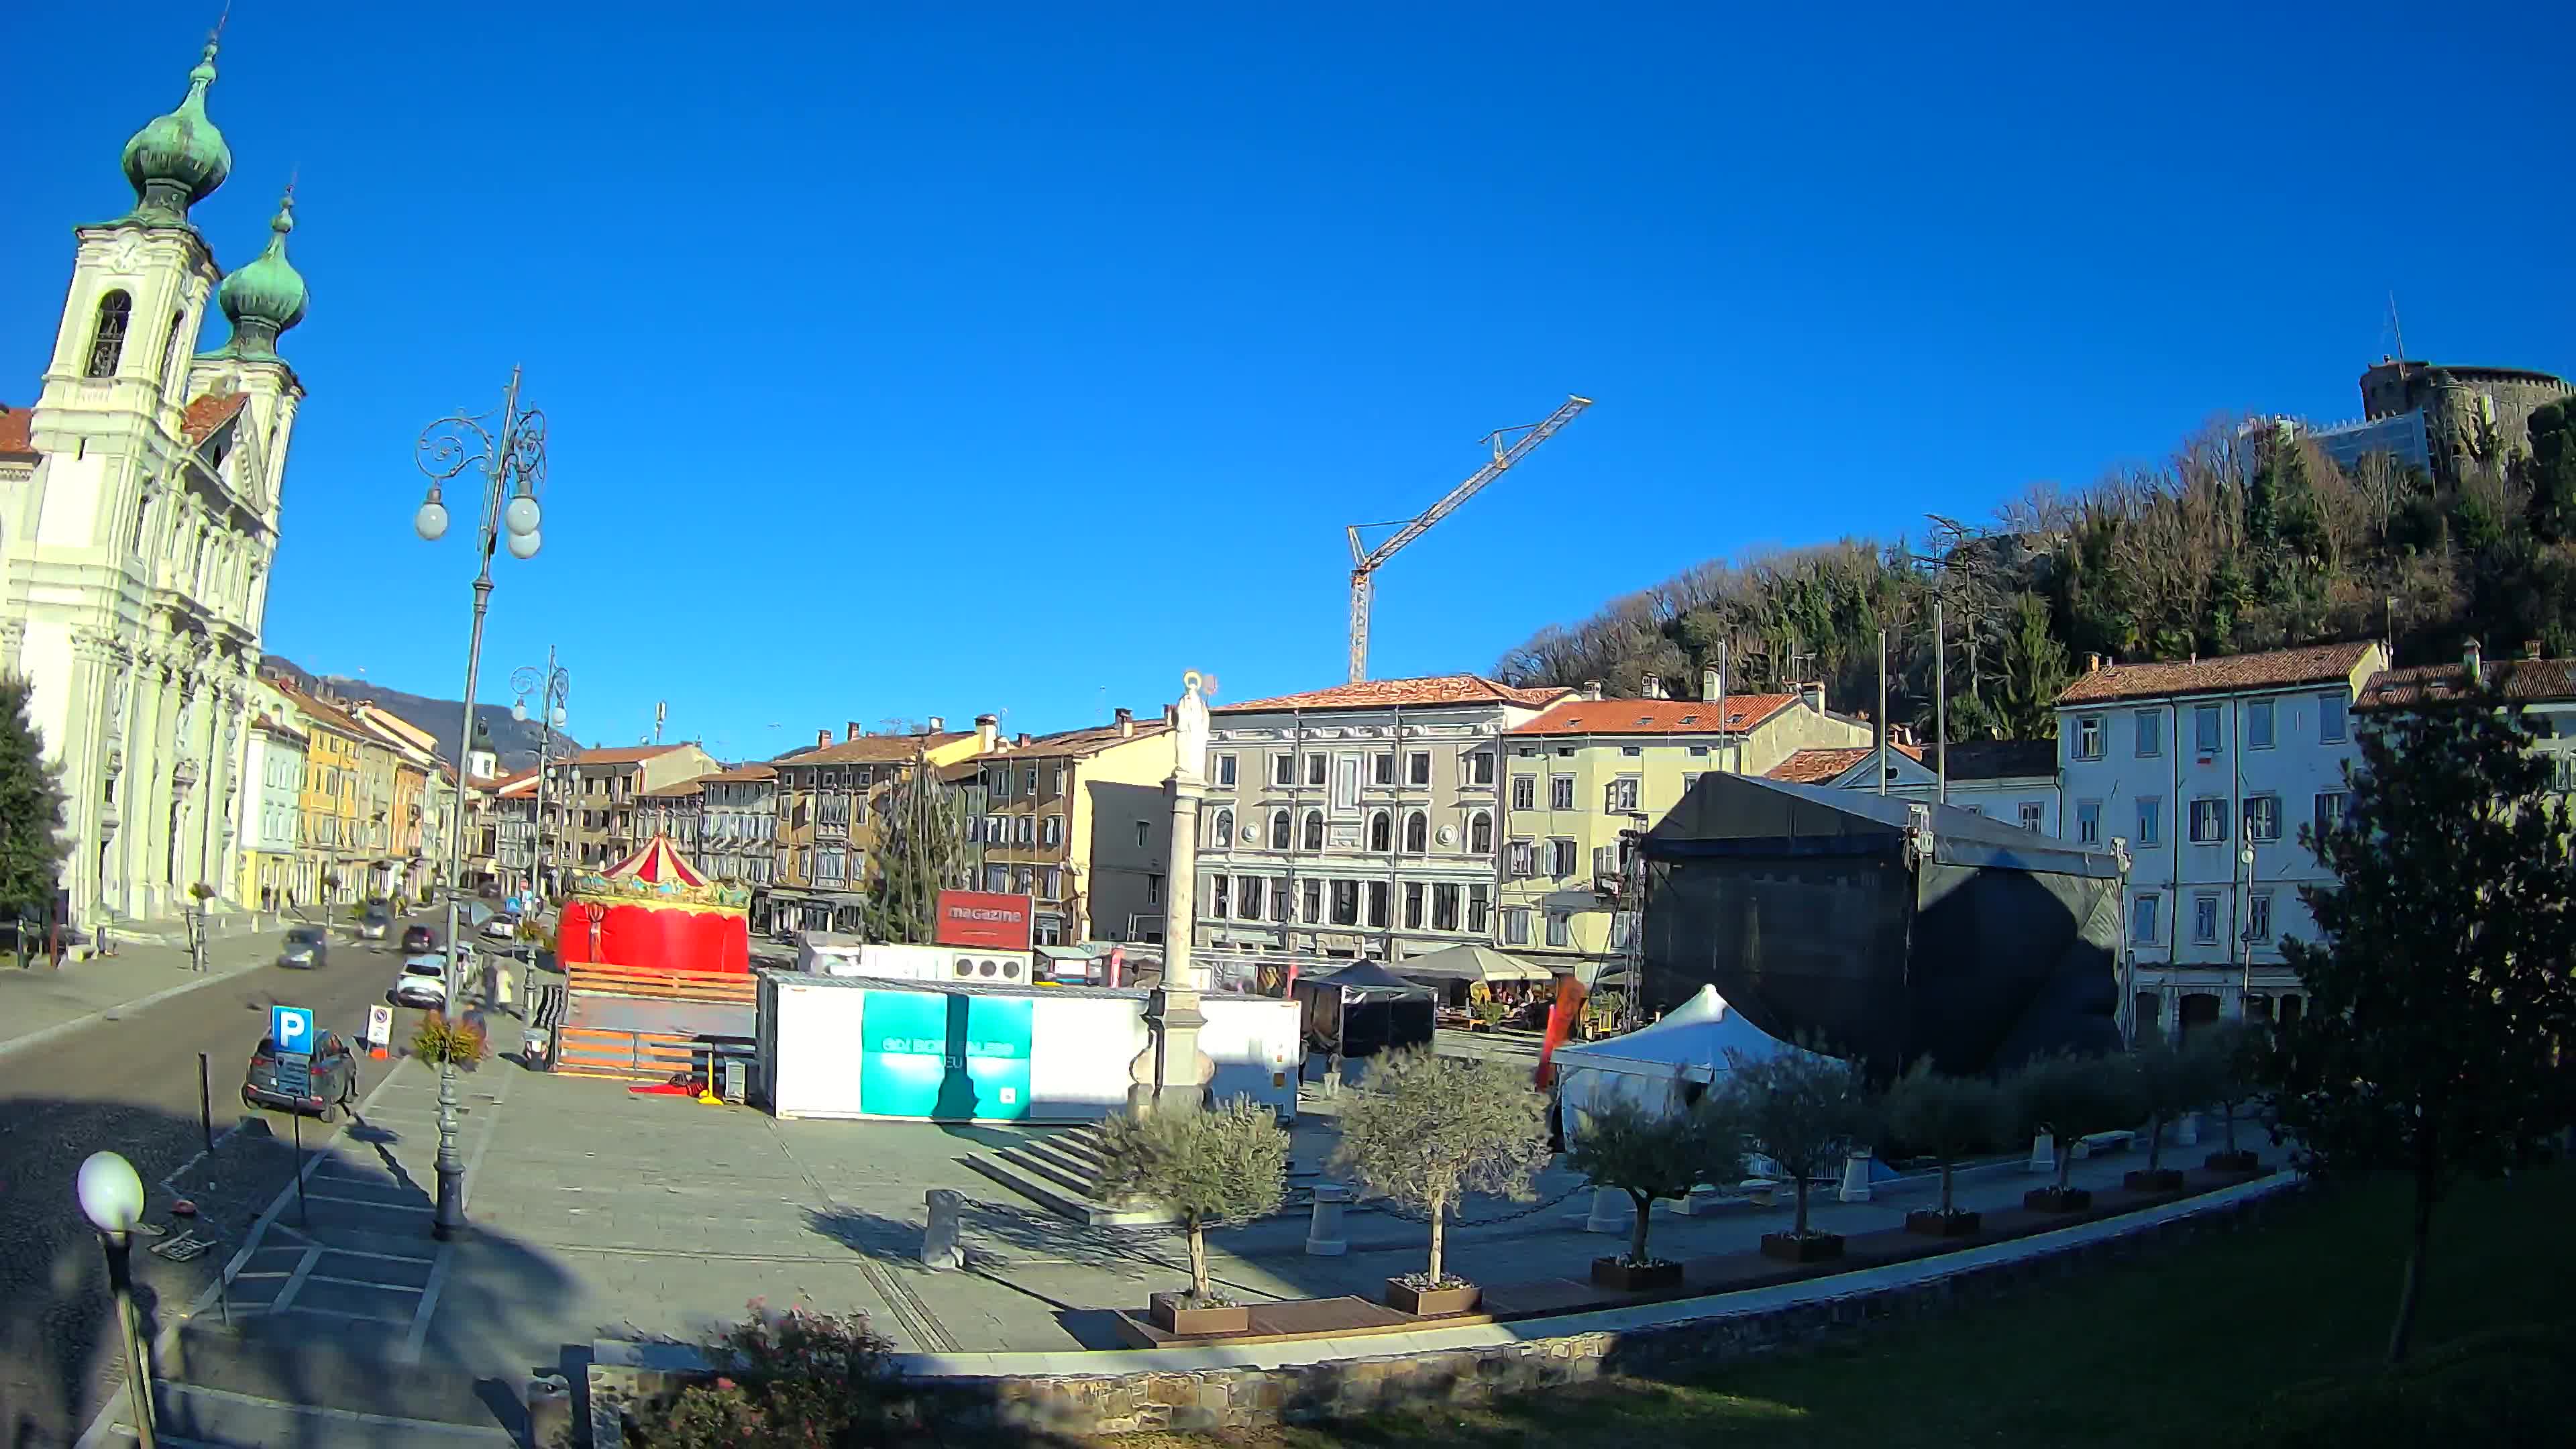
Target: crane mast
x=1366, y=561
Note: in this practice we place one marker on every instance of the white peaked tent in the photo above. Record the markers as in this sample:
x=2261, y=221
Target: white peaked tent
x=1657, y=1066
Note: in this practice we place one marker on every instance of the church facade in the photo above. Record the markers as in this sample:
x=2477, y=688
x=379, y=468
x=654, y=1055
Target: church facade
x=140, y=500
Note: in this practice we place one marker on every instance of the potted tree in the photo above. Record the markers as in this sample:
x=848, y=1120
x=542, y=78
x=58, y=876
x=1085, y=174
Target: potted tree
x=1427, y=1129
x=2233, y=1054
x=2068, y=1096
x=1229, y=1162
x=1946, y=1118
x=1807, y=1111
x=2170, y=1080
x=1652, y=1155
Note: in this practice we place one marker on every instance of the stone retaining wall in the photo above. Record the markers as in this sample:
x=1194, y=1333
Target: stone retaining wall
x=1250, y=1396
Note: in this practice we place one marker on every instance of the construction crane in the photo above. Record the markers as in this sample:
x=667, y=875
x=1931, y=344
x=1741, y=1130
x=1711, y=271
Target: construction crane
x=1366, y=561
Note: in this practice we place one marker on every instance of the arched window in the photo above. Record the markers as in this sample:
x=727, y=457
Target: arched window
x=1223, y=835
x=1381, y=832
x=170, y=351
x=1417, y=833
x=1278, y=830
x=1314, y=830
x=107, y=338
x=1480, y=833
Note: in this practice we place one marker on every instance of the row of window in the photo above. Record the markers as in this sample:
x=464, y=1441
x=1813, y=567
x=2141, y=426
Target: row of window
x=1381, y=832
x=1420, y=905
x=1476, y=767
x=2259, y=718
x=2146, y=911
x=1006, y=782
x=2208, y=823
x=1046, y=882
x=1032, y=831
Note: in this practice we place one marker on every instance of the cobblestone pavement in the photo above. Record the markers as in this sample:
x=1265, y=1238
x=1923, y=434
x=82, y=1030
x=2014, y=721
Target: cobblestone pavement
x=129, y=1082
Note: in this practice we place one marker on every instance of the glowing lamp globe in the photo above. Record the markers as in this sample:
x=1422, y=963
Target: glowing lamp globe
x=431, y=521
x=519, y=515
x=523, y=545
x=111, y=1195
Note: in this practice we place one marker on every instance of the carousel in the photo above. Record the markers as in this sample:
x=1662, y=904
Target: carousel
x=654, y=911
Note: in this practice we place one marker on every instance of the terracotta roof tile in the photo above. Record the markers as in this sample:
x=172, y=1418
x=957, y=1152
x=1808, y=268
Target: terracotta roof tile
x=1823, y=767
x=205, y=414
x=681, y=791
x=1654, y=716
x=1079, y=744
x=2526, y=680
x=1999, y=759
x=872, y=750
x=1434, y=689
x=743, y=773
x=622, y=755
x=2275, y=669
x=15, y=426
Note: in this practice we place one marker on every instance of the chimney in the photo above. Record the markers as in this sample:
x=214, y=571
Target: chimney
x=1126, y=722
x=822, y=738
x=1653, y=687
x=2092, y=663
x=2531, y=649
x=1711, y=684
x=1023, y=741
x=938, y=725
x=1591, y=690
x=854, y=731
x=986, y=727
x=1814, y=695
x=2475, y=663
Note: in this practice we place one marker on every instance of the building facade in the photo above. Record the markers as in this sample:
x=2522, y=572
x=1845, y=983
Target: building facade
x=139, y=514
x=2014, y=781
x=2207, y=769
x=738, y=826
x=270, y=830
x=1079, y=820
x=598, y=791
x=2456, y=406
x=1583, y=778
x=829, y=803
x=673, y=810
x=1361, y=820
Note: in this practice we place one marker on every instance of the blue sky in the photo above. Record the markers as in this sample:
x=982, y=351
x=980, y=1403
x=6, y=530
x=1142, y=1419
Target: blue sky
x=937, y=359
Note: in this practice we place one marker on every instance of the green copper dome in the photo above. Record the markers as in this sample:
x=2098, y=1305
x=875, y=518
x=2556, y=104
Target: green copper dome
x=179, y=159
x=266, y=296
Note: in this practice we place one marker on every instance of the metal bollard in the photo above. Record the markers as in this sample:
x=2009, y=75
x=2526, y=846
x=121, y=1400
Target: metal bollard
x=1324, y=1231
x=1613, y=1211
x=549, y=1409
x=2187, y=1130
x=940, y=1248
x=1856, y=1177
x=2043, y=1153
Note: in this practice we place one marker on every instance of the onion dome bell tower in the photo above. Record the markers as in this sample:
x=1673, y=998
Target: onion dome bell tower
x=179, y=159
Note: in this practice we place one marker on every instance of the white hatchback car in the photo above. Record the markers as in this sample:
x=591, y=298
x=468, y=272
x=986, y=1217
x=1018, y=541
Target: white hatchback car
x=423, y=982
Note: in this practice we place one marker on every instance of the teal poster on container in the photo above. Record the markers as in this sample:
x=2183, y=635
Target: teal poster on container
x=950, y=1057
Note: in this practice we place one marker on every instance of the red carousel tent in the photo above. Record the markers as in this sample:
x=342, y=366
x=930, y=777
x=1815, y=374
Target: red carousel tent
x=655, y=911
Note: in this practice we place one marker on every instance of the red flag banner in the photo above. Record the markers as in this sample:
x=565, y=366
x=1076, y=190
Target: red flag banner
x=1560, y=1025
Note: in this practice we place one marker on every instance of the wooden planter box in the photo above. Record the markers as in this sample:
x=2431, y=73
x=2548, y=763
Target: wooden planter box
x=1813, y=1248
x=2238, y=1161
x=1933, y=1223
x=2156, y=1179
x=1628, y=1277
x=1432, y=1302
x=1172, y=1314
x=2054, y=1200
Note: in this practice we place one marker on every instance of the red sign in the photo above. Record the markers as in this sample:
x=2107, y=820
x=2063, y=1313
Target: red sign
x=989, y=919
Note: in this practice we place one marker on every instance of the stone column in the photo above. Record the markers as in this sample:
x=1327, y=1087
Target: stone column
x=1171, y=1073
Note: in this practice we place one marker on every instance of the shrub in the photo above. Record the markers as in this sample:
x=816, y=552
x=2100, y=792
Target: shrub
x=1946, y=1117
x=2170, y=1080
x=1807, y=1110
x=1426, y=1129
x=1231, y=1162
x=438, y=1040
x=2069, y=1096
x=801, y=1379
x=1650, y=1155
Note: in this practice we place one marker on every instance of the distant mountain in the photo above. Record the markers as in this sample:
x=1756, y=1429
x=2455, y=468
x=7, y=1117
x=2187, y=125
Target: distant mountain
x=515, y=741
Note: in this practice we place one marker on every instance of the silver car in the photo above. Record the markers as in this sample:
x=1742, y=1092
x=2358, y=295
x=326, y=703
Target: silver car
x=308, y=947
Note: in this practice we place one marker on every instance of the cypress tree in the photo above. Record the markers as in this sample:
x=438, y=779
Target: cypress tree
x=32, y=847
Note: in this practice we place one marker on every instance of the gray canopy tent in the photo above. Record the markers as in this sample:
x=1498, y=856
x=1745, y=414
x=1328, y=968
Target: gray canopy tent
x=1882, y=928
x=1362, y=1010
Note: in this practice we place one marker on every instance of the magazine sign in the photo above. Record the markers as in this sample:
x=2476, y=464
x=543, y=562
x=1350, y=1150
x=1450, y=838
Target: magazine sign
x=993, y=920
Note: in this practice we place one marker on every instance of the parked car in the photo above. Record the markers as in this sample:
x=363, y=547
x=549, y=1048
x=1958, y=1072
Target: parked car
x=374, y=925
x=502, y=927
x=333, y=1084
x=423, y=982
x=308, y=947
x=417, y=939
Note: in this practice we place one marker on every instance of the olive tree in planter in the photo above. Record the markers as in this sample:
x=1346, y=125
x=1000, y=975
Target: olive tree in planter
x=1228, y=1162
x=2232, y=1055
x=2170, y=1079
x=2069, y=1097
x=1427, y=1129
x=1652, y=1155
x=1945, y=1118
x=1808, y=1112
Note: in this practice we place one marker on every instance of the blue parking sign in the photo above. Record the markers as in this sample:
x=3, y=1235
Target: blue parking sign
x=291, y=1027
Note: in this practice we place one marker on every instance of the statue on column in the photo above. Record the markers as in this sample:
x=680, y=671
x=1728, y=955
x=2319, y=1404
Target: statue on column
x=1191, y=735
x=1172, y=1073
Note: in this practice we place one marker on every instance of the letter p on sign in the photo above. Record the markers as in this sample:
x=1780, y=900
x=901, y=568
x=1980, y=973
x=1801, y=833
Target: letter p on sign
x=291, y=1027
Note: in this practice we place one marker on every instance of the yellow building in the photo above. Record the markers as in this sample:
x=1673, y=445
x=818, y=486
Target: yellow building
x=1080, y=821
x=339, y=759
x=1586, y=773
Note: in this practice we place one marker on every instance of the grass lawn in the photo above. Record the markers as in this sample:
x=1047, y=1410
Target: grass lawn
x=2169, y=1349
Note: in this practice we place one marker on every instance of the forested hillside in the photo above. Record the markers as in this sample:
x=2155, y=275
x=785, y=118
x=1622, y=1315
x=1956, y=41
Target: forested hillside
x=2242, y=540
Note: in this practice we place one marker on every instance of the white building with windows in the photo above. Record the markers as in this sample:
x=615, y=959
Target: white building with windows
x=1357, y=821
x=2208, y=768
x=139, y=511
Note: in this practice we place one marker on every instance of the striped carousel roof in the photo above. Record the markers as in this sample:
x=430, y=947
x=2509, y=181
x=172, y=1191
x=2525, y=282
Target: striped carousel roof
x=659, y=863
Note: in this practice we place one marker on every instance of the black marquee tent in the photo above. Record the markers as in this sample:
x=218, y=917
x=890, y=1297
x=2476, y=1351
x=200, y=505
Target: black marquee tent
x=1880, y=927
x=1364, y=1009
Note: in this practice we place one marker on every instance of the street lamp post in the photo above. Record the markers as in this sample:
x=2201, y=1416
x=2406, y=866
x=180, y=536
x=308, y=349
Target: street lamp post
x=512, y=457
x=111, y=1197
x=553, y=688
